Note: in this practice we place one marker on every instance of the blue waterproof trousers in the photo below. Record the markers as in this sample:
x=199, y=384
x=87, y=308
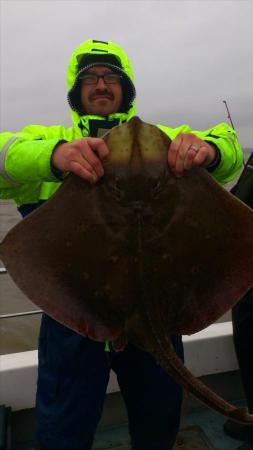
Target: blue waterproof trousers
x=72, y=380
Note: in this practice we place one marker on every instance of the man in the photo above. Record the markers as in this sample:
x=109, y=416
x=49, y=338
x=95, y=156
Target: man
x=242, y=319
x=73, y=370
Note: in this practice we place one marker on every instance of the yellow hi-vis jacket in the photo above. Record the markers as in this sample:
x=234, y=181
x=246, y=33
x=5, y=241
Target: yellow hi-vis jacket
x=26, y=174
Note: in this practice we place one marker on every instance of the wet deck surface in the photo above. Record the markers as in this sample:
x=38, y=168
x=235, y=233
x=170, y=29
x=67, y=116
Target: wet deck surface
x=201, y=428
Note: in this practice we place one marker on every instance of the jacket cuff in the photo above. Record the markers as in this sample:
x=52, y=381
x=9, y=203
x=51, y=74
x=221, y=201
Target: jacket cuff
x=57, y=173
x=214, y=164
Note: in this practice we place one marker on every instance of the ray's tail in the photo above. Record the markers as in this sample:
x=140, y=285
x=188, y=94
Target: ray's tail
x=173, y=365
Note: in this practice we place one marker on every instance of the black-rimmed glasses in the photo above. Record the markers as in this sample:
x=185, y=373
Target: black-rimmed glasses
x=93, y=78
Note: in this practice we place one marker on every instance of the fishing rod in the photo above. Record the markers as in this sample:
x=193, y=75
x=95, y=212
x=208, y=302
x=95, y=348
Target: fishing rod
x=229, y=115
x=231, y=121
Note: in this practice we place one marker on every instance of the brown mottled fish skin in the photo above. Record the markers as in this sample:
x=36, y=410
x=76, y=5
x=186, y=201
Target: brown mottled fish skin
x=138, y=256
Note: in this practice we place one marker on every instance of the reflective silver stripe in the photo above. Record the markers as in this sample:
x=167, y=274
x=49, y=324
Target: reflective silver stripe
x=3, y=172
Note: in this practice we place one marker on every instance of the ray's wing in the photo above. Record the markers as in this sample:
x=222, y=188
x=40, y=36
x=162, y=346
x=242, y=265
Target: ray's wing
x=197, y=262
x=64, y=257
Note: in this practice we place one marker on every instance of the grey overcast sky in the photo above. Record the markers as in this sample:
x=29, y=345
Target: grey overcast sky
x=187, y=56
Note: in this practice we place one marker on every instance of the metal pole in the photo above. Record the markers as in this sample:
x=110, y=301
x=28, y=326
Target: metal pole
x=22, y=314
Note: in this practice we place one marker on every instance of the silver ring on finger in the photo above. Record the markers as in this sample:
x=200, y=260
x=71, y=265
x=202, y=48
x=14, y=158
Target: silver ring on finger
x=194, y=148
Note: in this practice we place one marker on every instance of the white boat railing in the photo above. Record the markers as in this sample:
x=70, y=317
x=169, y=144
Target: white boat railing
x=21, y=314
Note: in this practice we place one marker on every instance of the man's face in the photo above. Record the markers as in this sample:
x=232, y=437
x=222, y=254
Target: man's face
x=101, y=99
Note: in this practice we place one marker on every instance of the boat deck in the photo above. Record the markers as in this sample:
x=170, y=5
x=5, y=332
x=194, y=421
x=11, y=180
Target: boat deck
x=201, y=428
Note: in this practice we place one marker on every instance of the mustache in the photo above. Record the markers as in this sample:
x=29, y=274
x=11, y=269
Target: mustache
x=103, y=92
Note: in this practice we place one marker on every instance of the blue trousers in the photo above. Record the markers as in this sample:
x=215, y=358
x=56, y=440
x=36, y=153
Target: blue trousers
x=72, y=380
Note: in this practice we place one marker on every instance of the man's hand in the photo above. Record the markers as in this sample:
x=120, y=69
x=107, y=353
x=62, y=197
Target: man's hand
x=82, y=157
x=187, y=151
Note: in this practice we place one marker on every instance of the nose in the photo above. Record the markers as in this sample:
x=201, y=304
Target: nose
x=101, y=83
